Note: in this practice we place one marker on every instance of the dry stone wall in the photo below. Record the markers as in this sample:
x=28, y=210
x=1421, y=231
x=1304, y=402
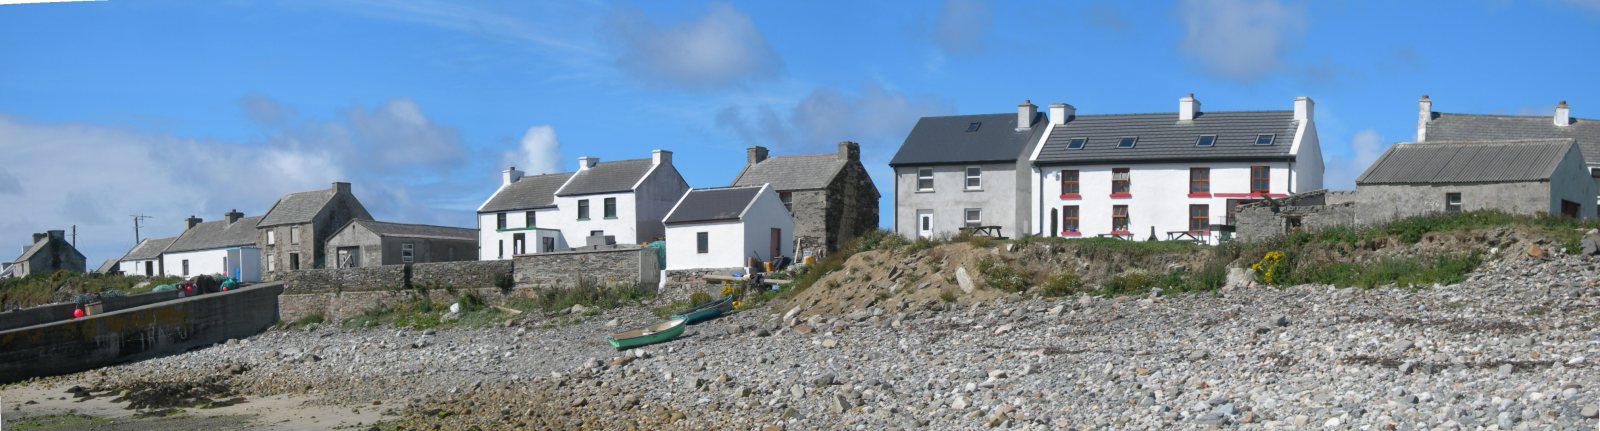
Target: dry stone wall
x=605, y=267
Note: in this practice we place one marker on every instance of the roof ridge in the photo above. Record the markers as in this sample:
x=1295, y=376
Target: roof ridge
x=1525, y=141
x=1514, y=116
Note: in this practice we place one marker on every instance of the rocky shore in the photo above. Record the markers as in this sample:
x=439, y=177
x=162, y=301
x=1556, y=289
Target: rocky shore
x=1514, y=347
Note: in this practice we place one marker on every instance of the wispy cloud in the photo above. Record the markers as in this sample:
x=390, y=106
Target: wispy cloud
x=721, y=48
x=539, y=152
x=873, y=114
x=1240, y=39
x=961, y=25
x=1365, y=147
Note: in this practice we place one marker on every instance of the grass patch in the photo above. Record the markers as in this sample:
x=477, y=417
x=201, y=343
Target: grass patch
x=40, y=289
x=1062, y=283
x=1000, y=275
x=589, y=294
x=1399, y=271
x=304, y=321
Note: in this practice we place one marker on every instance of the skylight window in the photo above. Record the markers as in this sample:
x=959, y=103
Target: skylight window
x=973, y=127
x=1077, y=143
x=1264, y=139
x=1206, y=141
x=1127, y=142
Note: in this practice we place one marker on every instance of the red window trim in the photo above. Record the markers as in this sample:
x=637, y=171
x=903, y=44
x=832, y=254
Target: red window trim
x=1071, y=233
x=1199, y=195
x=1121, y=195
x=1248, y=195
x=1122, y=232
x=1200, y=232
x=1072, y=196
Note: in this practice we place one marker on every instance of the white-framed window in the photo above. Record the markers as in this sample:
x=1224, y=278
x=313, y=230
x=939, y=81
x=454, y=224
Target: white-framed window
x=407, y=252
x=1452, y=202
x=974, y=217
x=974, y=178
x=294, y=234
x=924, y=179
x=271, y=239
x=272, y=262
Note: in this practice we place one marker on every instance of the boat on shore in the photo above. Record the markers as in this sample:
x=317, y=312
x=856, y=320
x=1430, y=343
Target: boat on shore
x=646, y=336
x=706, y=311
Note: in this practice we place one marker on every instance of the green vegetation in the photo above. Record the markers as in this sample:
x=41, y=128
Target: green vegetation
x=1404, y=271
x=1062, y=283
x=1002, y=276
x=307, y=320
x=588, y=293
x=40, y=289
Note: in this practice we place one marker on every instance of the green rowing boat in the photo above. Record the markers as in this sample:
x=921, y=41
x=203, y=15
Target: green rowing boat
x=654, y=334
x=706, y=311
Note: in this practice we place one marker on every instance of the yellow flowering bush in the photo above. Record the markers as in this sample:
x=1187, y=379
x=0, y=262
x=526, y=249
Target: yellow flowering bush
x=1267, y=269
x=727, y=289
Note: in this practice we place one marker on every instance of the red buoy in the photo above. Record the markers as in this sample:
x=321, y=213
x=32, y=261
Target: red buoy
x=77, y=313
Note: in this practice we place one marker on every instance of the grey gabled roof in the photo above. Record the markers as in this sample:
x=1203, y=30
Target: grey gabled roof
x=528, y=193
x=404, y=230
x=945, y=140
x=1161, y=137
x=718, y=204
x=41, y=244
x=108, y=266
x=216, y=234
x=296, y=208
x=1467, y=162
x=812, y=171
x=148, y=249
x=1472, y=127
x=607, y=177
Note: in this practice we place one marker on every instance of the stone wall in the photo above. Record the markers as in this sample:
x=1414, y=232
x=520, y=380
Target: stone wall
x=391, y=277
x=852, y=205
x=488, y=273
x=810, y=209
x=63, y=311
x=340, y=293
x=606, y=267
x=1259, y=222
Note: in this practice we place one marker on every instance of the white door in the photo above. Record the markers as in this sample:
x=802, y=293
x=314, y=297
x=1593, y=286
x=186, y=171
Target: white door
x=925, y=224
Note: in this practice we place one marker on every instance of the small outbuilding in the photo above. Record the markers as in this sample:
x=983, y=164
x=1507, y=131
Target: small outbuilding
x=722, y=228
x=1546, y=176
x=372, y=243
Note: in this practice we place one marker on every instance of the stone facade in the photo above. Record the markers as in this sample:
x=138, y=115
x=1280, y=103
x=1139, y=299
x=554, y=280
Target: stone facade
x=280, y=254
x=852, y=204
x=1314, y=210
x=606, y=267
x=827, y=212
x=398, y=277
x=54, y=253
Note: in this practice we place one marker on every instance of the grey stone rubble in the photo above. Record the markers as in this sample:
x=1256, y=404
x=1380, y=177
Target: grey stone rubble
x=1513, y=347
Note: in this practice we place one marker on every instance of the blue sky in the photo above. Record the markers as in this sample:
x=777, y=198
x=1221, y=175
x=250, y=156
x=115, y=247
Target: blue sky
x=168, y=109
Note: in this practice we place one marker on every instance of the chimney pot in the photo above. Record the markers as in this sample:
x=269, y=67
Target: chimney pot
x=232, y=216
x=510, y=175
x=849, y=150
x=1025, y=114
x=1061, y=112
x=1563, y=117
x=755, y=154
x=1188, y=108
x=189, y=223
x=587, y=162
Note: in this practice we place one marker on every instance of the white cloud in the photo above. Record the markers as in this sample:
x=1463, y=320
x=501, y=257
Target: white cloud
x=1365, y=147
x=961, y=25
x=721, y=48
x=1240, y=39
x=827, y=115
x=95, y=176
x=539, y=152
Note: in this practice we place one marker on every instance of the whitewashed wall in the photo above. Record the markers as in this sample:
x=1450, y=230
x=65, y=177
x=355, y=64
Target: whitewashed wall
x=765, y=214
x=624, y=227
x=1160, y=195
x=136, y=267
x=491, y=240
x=726, y=240
x=208, y=262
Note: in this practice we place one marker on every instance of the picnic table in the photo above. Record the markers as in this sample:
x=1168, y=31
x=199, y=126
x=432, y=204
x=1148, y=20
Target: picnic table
x=1122, y=236
x=1196, y=236
x=989, y=231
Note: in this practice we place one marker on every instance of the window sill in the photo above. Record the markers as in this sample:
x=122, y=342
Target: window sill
x=924, y=191
x=583, y=219
x=1071, y=196
x=973, y=190
x=1249, y=195
x=1122, y=232
x=610, y=218
x=1072, y=234
x=1122, y=195
x=1200, y=195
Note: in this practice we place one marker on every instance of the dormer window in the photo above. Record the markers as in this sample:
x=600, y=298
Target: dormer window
x=1077, y=143
x=1206, y=141
x=1127, y=142
x=1264, y=139
x=973, y=127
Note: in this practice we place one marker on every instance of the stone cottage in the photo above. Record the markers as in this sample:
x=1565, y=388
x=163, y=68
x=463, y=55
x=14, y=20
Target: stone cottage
x=49, y=252
x=371, y=243
x=1433, y=126
x=294, y=233
x=830, y=196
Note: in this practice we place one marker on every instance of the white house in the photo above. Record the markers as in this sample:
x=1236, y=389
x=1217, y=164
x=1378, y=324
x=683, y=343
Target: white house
x=719, y=228
x=1176, y=175
x=966, y=170
x=624, y=200
x=226, y=246
x=145, y=258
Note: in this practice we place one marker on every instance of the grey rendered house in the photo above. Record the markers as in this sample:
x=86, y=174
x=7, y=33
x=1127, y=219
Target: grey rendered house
x=1547, y=176
x=49, y=252
x=294, y=232
x=373, y=243
x=831, y=196
x=966, y=170
x=1435, y=126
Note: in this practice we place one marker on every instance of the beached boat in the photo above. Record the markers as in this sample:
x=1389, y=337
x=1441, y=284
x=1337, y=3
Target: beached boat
x=654, y=334
x=706, y=311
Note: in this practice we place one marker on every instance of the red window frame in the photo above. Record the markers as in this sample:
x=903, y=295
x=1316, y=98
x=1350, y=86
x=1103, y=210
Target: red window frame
x=1069, y=220
x=1120, y=219
x=1260, y=179
x=1199, y=181
x=1199, y=218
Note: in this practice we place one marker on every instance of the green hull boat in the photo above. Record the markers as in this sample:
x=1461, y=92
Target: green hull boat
x=654, y=334
x=706, y=311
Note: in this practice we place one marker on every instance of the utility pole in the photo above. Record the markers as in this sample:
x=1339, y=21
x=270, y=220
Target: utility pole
x=74, y=236
x=136, y=219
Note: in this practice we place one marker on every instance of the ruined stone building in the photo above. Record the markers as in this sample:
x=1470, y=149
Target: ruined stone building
x=831, y=197
x=294, y=233
x=49, y=252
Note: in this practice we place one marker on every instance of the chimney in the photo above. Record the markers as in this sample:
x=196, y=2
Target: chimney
x=36, y=238
x=1188, y=107
x=341, y=187
x=1061, y=112
x=58, y=234
x=1304, y=108
x=1025, y=113
x=1563, y=115
x=189, y=223
x=849, y=150
x=1424, y=115
x=587, y=162
x=232, y=216
x=756, y=154
x=510, y=175
x=661, y=157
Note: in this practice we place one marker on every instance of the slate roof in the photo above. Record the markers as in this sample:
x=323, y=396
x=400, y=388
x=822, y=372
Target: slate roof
x=1472, y=127
x=813, y=171
x=1467, y=162
x=106, y=267
x=404, y=230
x=148, y=249
x=297, y=208
x=719, y=204
x=40, y=245
x=532, y=192
x=217, y=234
x=607, y=177
x=945, y=140
x=1161, y=137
